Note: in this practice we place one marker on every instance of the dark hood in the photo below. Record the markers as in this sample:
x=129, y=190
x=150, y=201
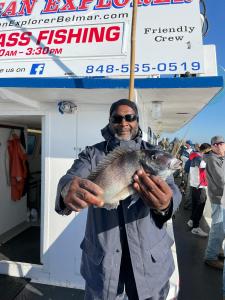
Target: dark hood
x=113, y=142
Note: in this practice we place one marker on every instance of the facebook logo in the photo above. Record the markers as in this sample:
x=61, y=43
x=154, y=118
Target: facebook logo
x=37, y=69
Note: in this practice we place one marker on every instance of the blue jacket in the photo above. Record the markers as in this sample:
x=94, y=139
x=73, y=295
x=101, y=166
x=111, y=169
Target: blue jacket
x=149, y=243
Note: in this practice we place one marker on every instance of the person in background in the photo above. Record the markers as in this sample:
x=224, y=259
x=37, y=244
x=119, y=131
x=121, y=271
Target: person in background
x=197, y=147
x=215, y=176
x=164, y=144
x=167, y=144
x=126, y=249
x=184, y=155
x=174, y=146
x=185, y=150
x=198, y=184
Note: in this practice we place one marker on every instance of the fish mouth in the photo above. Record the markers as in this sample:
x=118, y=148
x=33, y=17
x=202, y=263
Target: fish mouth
x=175, y=164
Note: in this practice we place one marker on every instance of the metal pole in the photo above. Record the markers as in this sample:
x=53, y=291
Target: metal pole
x=133, y=48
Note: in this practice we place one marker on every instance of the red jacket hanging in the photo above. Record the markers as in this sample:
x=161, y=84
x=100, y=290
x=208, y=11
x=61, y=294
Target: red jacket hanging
x=17, y=167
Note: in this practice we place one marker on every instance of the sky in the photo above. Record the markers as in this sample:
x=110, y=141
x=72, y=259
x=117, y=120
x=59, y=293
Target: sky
x=211, y=120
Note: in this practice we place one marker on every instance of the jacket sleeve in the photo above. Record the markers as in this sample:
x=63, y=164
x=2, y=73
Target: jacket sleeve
x=215, y=172
x=175, y=202
x=81, y=168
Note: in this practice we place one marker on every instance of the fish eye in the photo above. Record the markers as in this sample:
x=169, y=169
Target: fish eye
x=154, y=157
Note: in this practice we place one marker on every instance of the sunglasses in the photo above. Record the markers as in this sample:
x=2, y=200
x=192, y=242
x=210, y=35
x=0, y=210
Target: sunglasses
x=218, y=144
x=116, y=119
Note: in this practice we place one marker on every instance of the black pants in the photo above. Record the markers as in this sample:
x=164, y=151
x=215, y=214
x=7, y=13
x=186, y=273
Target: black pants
x=126, y=278
x=198, y=203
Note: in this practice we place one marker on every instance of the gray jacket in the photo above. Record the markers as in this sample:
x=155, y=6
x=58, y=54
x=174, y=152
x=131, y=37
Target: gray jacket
x=215, y=176
x=149, y=243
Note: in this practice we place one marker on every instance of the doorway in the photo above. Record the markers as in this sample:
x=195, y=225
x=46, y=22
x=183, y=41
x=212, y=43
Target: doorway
x=20, y=218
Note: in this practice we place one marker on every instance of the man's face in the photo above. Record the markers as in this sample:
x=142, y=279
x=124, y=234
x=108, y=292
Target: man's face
x=124, y=129
x=219, y=148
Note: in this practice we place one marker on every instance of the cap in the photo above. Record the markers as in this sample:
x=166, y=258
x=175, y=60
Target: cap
x=127, y=102
x=217, y=139
x=189, y=142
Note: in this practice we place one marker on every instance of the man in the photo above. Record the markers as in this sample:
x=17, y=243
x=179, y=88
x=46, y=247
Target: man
x=185, y=154
x=126, y=248
x=198, y=184
x=215, y=177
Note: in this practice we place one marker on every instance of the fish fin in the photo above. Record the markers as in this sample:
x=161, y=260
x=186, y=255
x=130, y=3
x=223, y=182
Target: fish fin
x=118, y=152
x=135, y=196
x=134, y=199
x=123, y=194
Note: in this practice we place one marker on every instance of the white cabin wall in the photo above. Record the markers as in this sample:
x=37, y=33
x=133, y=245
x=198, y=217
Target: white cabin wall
x=12, y=213
x=65, y=135
x=91, y=119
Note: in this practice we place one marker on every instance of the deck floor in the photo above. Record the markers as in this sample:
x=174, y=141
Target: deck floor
x=25, y=247
x=197, y=281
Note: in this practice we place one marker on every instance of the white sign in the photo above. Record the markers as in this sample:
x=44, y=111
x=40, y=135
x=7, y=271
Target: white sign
x=56, y=38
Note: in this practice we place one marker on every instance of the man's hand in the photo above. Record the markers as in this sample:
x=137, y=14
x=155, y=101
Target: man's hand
x=153, y=190
x=82, y=193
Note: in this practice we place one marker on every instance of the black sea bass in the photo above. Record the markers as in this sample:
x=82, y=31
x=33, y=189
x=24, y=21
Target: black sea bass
x=115, y=173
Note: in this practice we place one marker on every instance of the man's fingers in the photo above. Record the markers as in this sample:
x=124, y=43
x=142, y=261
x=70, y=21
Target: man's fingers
x=89, y=197
x=91, y=187
x=137, y=187
x=83, y=192
x=162, y=184
x=152, y=189
x=146, y=195
x=73, y=207
x=147, y=185
x=79, y=203
x=155, y=183
x=81, y=200
x=152, y=193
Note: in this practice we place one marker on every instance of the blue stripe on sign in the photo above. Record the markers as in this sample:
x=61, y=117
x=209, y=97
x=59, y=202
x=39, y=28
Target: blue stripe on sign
x=106, y=83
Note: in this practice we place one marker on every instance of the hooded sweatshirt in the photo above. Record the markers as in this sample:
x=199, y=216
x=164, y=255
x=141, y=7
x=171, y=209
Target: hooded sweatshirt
x=215, y=176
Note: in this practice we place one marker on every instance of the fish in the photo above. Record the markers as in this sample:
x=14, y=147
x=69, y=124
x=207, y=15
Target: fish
x=114, y=174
